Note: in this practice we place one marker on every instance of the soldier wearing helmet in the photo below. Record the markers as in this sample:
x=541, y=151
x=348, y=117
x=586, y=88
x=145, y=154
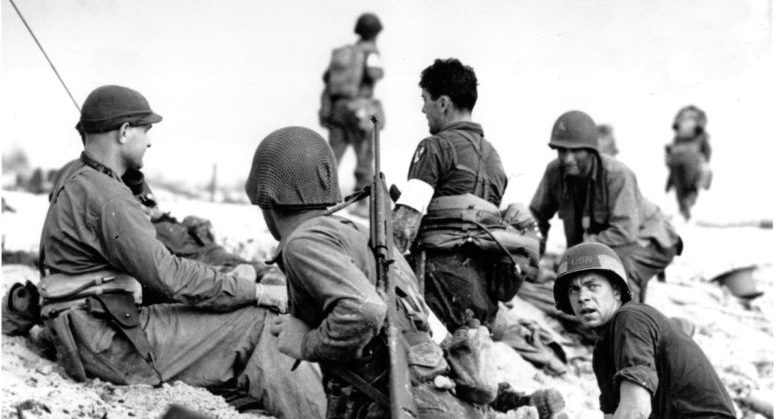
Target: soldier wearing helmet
x=687, y=158
x=347, y=100
x=645, y=364
x=336, y=314
x=598, y=199
x=100, y=257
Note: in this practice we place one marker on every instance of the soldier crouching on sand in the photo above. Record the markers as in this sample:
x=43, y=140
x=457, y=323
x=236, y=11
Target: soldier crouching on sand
x=98, y=248
x=598, y=199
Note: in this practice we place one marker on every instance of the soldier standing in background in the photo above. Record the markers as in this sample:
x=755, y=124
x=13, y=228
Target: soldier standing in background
x=347, y=101
x=688, y=157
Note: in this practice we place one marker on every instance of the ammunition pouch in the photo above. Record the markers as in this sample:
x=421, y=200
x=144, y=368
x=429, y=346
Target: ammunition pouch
x=469, y=222
x=104, y=294
x=67, y=351
x=455, y=221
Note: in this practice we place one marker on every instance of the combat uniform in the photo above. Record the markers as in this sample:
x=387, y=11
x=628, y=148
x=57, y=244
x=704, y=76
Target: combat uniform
x=608, y=204
x=332, y=285
x=688, y=162
x=643, y=346
x=347, y=117
x=214, y=334
x=459, y=161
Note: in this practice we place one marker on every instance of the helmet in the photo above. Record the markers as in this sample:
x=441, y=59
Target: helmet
x=108, y=107
x=699, y=115
x=368, y=26
x=574, y=129
x=587, y=257
x=293, y=168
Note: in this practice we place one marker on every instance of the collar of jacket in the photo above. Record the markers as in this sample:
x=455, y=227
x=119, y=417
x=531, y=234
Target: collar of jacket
x=465, y=126
x=100, y=167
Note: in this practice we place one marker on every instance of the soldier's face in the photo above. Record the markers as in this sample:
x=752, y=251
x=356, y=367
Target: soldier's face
x=433, y=111
x=593, y=299
x=575, y=162
x=135, y=142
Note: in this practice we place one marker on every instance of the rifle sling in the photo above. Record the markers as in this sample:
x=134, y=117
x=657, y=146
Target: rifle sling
x=361, y=384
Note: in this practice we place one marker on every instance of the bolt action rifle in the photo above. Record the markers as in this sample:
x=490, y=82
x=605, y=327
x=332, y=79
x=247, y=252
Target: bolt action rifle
x=401, y=400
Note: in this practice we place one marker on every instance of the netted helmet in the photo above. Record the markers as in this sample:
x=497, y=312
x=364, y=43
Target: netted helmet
x=691, y=111
x=293, y=168
x=368, y=26
x=588, y=257
x=574, y=129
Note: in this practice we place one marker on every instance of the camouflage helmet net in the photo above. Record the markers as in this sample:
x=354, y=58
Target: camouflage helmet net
x=293, y=168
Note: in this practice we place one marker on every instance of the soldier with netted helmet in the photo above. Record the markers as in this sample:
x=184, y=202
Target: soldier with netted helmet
x=99, y=252
x=347, y=100
x=598, y=199
x=688, y=157
x=645, y=364
x=336, y=313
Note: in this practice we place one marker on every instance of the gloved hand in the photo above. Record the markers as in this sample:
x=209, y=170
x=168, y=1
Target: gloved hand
x=291, y=332
x=272, y=296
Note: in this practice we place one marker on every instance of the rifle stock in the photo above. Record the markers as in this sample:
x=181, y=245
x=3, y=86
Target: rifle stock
x=401, y=400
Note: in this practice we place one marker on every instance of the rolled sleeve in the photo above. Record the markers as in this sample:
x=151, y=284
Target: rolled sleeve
x=635, y=344
x=129, y=241
x=354, y=312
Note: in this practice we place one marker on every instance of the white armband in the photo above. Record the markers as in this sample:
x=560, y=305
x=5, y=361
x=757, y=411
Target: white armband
x=416, y=194
x=373, y=60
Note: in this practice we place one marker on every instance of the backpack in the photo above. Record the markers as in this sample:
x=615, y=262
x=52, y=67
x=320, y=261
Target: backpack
x=345, y=71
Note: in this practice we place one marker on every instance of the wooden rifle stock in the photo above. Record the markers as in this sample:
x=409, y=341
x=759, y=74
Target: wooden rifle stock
x=401, y=400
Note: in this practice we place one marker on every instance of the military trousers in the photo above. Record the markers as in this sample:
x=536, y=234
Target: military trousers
x=345, y=131
x=202, y=348
x=644, y=262
x=456, y=287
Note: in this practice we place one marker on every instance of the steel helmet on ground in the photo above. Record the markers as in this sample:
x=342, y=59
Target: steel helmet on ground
x=574, y=129
x=108, y=107
x=588, y=257
x=293, y=168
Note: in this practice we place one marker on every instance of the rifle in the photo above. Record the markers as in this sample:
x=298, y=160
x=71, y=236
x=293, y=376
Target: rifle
x=401, y=400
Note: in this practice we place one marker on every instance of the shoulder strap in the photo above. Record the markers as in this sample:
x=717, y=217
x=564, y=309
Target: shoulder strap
x=481, y=182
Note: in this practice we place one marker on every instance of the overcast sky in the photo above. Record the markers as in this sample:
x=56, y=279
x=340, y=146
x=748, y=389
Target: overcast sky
x=225, y=73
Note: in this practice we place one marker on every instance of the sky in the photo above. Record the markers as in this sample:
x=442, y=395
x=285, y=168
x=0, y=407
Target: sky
x=226, y=73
